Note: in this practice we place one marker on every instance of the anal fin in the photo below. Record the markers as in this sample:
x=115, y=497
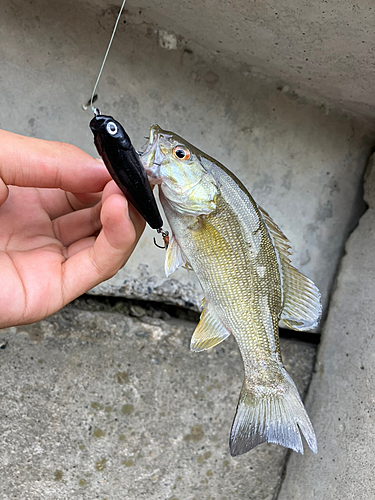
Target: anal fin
x=209, y=332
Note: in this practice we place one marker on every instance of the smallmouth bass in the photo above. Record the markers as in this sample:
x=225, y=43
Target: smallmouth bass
x=241, y=259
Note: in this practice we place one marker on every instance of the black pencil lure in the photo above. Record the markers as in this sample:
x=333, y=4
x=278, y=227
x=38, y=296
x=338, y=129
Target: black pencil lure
x=124, y=165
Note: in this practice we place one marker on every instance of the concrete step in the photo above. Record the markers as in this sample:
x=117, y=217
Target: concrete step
x=98, y=404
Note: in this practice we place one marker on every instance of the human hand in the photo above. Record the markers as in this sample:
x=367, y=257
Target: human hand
x=59, y=235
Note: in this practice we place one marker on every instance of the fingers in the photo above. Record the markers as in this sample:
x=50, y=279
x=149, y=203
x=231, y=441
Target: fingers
x=4, y=191
x=78, y=201
x=77, y=225
x=29, y=162
x=138, y=221
x=112, y=248
x=80, y=245
x=83, y=223
x=58, y=203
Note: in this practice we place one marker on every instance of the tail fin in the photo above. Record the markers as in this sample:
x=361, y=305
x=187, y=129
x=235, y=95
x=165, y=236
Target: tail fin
x=278, y=418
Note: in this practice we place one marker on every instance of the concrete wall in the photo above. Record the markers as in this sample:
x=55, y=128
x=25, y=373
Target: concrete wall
x=323, y=48
x=302, y=162
x=341, y=396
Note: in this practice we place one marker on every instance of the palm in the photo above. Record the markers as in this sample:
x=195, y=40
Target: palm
x=47, y=252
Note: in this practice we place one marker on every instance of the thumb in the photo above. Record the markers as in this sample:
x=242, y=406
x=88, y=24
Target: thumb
x=110, y=251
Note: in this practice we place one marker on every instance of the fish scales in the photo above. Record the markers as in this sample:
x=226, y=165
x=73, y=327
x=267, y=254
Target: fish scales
x=241, y=260
x=216, y=261
x=205, y=242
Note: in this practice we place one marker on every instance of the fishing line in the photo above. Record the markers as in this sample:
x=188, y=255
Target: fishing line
x=92, y=100
x=121, y=159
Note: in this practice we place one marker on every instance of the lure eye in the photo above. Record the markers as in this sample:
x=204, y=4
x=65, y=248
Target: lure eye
x=111, y=128
x=181, y=153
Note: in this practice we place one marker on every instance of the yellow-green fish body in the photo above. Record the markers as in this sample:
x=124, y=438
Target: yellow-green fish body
x=241, y=260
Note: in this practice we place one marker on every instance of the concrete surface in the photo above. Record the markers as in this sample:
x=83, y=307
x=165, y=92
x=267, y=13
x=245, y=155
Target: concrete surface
x=341, y=399
x=322, y=47
x=302, y=162
x=97, y=404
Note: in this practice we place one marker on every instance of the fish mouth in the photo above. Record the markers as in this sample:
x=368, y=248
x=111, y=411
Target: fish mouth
x=151, y=156
x=151, y=142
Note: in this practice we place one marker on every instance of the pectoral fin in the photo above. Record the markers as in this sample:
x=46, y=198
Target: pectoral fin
x=209, y=332
x=174, y=257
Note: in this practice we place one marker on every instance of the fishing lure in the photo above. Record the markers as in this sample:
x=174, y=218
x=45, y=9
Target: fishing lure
x=124, y=165
x=121, y=159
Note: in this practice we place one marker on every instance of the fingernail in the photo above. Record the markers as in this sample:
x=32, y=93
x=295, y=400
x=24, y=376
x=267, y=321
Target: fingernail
x=127, y=213
x=95, y=162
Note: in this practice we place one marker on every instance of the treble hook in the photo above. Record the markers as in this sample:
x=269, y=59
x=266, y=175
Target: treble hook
x=165, y=236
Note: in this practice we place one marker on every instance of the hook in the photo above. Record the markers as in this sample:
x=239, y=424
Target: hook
x=165, y=236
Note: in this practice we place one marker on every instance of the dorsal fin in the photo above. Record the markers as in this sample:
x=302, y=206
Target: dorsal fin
x=302, y=306
x=209, y=332
x=281, y=242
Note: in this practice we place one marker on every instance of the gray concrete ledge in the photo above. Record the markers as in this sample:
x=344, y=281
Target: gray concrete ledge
x=97, y=404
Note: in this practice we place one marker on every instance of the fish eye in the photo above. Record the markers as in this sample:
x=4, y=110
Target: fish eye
x=111, y=128
x=181, y=153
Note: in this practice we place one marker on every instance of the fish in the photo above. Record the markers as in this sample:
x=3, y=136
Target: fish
x=241, y=259
x=124, y=164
